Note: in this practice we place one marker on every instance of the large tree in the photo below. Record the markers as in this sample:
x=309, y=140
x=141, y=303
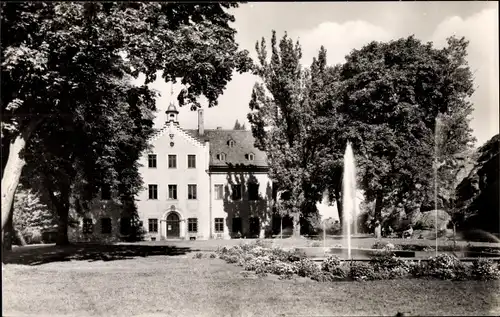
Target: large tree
x=391, y=95
x=284, y=107
x=62, y=62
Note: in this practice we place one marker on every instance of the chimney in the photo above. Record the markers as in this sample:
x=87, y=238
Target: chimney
x=201, y=129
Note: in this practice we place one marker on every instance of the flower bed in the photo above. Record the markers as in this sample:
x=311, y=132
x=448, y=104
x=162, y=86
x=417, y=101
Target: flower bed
x=384, y=265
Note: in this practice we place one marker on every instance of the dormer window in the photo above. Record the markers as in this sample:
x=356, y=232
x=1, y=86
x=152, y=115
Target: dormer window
x=221, y=156
x=230, y=143
x=250, y=156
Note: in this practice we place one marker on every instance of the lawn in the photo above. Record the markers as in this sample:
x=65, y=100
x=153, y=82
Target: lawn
x=178, y=285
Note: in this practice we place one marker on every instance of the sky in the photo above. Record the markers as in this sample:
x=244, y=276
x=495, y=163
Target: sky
x=344, y=26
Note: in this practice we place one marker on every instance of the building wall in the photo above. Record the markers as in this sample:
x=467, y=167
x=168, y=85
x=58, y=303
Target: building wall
x=162, y=175
x=99, y=209
x=228, y=209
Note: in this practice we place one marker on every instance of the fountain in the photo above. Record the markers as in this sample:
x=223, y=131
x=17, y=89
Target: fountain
x=349, y=207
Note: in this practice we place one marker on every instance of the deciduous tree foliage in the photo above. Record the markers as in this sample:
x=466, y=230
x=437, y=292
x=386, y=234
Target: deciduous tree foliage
x=63, y=65
x=284, y=110
x=391, y=95
x=30, y=214
x=477, y=201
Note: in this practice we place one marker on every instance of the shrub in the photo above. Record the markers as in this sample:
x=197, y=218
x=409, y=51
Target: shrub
x=485, y=269
x=277, y=254
x=316, y=244
x=198, y=255
x=418, y=268
x=360, y=271
x=232, y=259
x=213, y=255
x=446, y=267
x=258, y=263
x=321, y=276
x=332, y=265
x=388, y=266
x=282, y=268
x=306, y=268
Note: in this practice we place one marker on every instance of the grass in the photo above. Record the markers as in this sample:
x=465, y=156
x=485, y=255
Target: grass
x=178, y=285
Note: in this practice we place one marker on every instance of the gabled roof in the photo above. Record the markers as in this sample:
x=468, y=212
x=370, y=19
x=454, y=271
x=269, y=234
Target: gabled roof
x=172, y=108
x=236, y=155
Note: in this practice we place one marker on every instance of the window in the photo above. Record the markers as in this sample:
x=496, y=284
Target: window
x=219, y=225
x=236, y=192
x=254, y=226
x=153, y=191
x=230, y=143
x=221, y=156
x=236, y=225
x=172, y=191
x=191, y=161
x=105, y=192
x=219, y=191
x=251, y=157
x=152, y=160
x=253, y=191
x=153, y=225
x=191, y=191
x=105, y=225
x=88, y=226
x=172, y=161
x=125, y=225
x=192, y=224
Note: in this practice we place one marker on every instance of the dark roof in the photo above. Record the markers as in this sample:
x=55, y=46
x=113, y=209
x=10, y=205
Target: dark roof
x=172, y=108
x=238, y=155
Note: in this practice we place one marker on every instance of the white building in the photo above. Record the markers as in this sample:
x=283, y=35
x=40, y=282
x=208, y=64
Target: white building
x=203, y=184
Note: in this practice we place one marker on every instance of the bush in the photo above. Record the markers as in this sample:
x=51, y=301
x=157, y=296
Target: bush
x=332, y=265
x=286, y=270
x=360, y=271
x=257, y=264
x=446, y=267
x=277, y=254
x=198, y=255
x=485, y=269
x=306, y=268
x=232, y=259
x=213, y=255
x=388, y=266
x=418, y=269
x=321, y=276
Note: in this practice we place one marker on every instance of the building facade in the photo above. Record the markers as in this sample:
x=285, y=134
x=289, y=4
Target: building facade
x=203, y=184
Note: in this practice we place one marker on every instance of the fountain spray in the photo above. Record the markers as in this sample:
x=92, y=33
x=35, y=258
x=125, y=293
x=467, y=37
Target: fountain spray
x=349, y=195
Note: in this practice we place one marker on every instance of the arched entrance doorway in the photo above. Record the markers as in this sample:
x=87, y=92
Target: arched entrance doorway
x=173, y=226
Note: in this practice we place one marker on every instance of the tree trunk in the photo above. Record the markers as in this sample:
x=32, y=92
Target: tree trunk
x=13, y=169
x=11, y=176
x=62, y=225
x=7, y=234
x=296, y=225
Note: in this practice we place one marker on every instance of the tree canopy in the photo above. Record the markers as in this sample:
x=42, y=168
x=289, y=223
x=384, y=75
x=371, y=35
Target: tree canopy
x=67, y=104
x=384, y=99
